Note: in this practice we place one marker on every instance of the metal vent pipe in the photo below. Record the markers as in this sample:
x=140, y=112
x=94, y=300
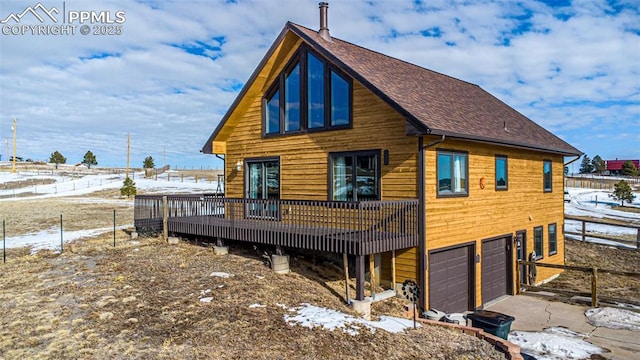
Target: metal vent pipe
x=324, y=21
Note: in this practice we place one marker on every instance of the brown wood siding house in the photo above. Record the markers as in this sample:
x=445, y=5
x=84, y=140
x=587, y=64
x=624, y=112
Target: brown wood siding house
x=326, y=120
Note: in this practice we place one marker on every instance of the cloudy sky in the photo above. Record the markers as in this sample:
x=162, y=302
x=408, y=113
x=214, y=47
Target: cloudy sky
x=176, y=66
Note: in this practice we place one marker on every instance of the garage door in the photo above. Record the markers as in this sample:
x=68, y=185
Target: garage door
x=494, y=268
x=450, y=279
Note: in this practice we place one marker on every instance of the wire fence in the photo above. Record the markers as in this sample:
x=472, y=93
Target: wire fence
x=54, y=240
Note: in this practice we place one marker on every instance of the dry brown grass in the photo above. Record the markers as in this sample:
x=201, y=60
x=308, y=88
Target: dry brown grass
x=140, y=299
x=578, y=253
x=90, y=212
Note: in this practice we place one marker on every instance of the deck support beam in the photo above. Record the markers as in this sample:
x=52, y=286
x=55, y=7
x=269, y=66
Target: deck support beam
x=360, y=277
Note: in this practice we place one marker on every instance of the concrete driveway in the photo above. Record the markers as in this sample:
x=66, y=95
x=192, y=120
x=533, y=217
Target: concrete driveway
x=536, y=314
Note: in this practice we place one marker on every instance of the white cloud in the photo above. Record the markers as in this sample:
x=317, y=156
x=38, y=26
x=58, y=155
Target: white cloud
x=566, y=68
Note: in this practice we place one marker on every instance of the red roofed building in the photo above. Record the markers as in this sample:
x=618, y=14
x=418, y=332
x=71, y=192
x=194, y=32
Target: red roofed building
x=615, y=166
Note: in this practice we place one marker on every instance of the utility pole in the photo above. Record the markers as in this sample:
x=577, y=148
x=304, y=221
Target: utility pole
x=164, y=155
x=14, y=128
x=128, y=149
x=7, y=153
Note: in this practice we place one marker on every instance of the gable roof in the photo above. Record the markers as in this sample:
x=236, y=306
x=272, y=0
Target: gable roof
x=431, y=102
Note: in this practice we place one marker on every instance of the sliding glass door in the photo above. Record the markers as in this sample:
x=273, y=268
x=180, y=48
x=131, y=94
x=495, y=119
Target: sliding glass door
x=263, y=183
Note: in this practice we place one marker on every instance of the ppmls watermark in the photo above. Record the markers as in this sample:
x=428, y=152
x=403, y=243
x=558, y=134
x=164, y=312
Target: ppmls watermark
x=58, y=20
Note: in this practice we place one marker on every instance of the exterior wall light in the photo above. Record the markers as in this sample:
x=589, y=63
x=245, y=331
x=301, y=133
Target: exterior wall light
x=239, y=165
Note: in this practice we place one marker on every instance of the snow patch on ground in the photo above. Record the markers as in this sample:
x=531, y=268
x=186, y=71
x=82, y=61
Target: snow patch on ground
x=554, y=344
x=311, y=316
x=50, y=239
x=597, y=203
x=614, y=318
x=219, y=274
x=64, y=186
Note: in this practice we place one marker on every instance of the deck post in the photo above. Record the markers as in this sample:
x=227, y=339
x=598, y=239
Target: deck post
x=165, y=216
x=359, y=277
x=345, y=265
x=372, y=275
x=393, y=270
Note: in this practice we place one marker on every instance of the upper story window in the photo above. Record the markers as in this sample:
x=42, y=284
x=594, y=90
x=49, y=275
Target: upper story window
x=272, y=113
x=292, y=99
x=502, y=179
x=453, y=170
x=355, y=176
x=546, y=171
x=308, y=95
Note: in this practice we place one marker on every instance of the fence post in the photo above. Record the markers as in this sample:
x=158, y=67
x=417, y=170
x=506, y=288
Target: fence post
x=165, y=215
x=638, y=240
x=114, y=227
x=4, y=242
x=517, y=278
x=583, y=230
x=61, y=242
x=594, y=287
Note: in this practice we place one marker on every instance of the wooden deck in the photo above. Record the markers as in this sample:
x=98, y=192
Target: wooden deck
x=353, y=228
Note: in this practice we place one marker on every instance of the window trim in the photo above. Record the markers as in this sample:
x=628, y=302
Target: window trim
x=504, y=187
x=541, y=254
x=452, y=153
x=355, y=153
x=300, y=57
x=555, y=238
x=544, y=186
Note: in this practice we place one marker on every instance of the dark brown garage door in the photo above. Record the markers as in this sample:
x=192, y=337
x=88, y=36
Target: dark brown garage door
x=494, y=268
x=450, y=279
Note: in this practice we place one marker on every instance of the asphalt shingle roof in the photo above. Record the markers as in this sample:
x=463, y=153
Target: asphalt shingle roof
x=432, y=102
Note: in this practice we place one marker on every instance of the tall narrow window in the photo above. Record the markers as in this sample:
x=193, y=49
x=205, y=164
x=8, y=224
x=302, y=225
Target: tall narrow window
x=273, y=113
x=553, y=240
x=292, y=100
x=355, y=176
x=547, y=176
x=501, y=173
x=315, y=92
x=452, y=171
x=537, y=241
x=340, y=100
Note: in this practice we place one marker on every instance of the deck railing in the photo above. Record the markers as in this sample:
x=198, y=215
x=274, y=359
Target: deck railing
x=346, y=227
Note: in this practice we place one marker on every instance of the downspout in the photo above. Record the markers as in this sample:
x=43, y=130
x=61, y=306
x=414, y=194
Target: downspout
x=572, y=161
x=224, y=172
x=422, y=221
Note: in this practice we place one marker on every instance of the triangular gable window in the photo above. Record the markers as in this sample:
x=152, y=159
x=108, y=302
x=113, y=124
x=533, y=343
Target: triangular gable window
x=309, y=95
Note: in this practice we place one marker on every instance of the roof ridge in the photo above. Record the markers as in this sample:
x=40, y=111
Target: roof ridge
x=385, y=55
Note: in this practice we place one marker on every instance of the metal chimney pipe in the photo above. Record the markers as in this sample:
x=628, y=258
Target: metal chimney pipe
x=324, y=28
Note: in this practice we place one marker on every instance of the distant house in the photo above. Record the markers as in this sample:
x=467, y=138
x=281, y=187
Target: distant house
x=409, y=173
x=615, y=166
